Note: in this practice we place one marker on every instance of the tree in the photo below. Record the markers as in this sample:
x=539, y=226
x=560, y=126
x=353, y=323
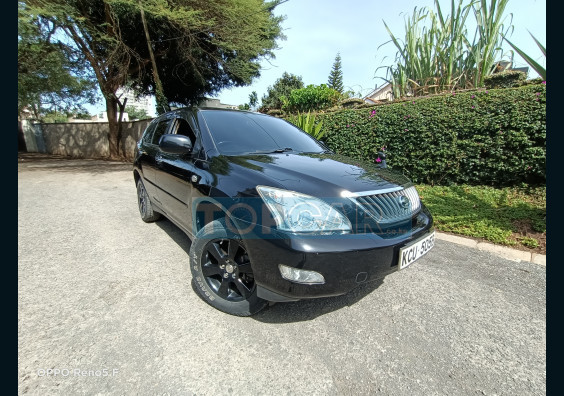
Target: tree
x=136, y=114
x=282, y=87
x=49, y=77
x=199, y=47
x=253, y=100
x=336, y=75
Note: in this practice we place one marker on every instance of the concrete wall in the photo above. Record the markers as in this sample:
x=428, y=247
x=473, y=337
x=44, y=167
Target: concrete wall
x=81, y=140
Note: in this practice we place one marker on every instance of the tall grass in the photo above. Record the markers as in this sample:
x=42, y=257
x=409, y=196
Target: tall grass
x=437, y=55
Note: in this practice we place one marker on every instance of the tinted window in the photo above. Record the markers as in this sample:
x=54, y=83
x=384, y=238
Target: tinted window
x=242, y=133
x=159, y=131
x=149, y=132
x=181, y=127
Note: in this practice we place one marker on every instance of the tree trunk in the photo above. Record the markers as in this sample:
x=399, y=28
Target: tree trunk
x=113, y=124
x=121, y=107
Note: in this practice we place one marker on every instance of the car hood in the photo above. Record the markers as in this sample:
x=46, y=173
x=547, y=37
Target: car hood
x=320, y=175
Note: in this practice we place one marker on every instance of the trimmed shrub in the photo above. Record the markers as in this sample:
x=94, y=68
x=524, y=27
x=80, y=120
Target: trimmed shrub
x=351, y=102
x=491, y=137
x=312, y=97
x=274, y=112
x=505, y=79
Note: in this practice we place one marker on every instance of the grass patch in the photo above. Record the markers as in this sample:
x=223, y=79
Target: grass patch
x=514, y=216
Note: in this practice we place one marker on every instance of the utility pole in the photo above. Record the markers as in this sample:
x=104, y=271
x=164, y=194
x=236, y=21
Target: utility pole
x=162, y=103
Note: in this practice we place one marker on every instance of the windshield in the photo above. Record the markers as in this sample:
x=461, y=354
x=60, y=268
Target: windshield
x=238, y=133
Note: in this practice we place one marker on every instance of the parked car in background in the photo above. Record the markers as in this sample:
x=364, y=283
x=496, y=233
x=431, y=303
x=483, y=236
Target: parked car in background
x=273, y=214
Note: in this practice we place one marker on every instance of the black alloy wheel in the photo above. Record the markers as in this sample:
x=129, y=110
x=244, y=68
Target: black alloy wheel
x=148, y=215
x=222, y=272
x=227, y=270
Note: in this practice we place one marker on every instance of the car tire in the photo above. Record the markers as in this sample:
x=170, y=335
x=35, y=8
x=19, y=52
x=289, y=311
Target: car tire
x=148, y=215
x=222, y=272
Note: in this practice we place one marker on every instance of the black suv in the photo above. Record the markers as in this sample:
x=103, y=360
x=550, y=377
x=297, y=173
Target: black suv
x=273, y=214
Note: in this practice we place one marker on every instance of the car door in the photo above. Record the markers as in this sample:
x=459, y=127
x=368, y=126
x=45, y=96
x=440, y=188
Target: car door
x=176, y=174
x=148, y=152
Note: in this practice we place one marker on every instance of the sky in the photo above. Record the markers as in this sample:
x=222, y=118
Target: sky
x=317, y=30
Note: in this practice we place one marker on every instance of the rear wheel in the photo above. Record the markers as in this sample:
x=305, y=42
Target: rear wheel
x=222, y=272
x=145, y=206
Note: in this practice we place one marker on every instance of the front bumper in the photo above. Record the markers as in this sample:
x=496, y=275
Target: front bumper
x=345, y=261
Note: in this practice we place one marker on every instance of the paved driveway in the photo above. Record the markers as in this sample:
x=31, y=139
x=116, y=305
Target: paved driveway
x=104, y=302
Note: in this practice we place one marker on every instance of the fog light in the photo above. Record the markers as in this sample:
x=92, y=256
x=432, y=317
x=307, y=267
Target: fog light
x=301, y=276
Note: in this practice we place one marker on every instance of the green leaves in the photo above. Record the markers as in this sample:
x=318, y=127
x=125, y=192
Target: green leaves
x=312, y=97
x=436, y=54
x=307, y=124
x=534, y=64
x=281, y=89
x=492, y=137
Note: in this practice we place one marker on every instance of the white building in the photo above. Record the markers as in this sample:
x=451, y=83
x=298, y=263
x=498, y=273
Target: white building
x=143, y=103
x=383, y=93
x=103, y=117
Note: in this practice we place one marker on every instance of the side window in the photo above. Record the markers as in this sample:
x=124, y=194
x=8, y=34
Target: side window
x=159, y=131
x=148, y=134
x=181, y=127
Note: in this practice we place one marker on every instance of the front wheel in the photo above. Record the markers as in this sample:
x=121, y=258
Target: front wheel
x=222, y=272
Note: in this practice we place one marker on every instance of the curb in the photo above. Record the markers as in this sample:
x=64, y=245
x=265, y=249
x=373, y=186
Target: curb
x=501, y=251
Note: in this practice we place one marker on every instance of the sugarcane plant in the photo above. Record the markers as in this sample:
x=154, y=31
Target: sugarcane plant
x=436, y=54
x=534, y=64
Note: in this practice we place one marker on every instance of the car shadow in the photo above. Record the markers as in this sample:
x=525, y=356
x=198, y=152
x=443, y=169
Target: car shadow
x=175, y=233
x=304, y=310
x=287, y=312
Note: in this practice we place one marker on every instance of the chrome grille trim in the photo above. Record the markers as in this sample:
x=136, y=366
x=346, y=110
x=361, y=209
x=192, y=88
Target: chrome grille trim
x=385, y=206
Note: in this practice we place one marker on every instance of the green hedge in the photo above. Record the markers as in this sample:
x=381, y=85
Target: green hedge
x=491, y=137
x=505, y=79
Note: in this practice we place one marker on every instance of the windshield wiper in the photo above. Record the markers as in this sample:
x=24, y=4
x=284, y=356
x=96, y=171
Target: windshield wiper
x=280, y=150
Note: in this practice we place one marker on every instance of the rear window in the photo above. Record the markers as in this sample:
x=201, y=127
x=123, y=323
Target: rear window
x=237, y=133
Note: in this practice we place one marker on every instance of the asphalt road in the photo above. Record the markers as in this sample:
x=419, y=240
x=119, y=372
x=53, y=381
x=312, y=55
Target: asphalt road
x=105, y=303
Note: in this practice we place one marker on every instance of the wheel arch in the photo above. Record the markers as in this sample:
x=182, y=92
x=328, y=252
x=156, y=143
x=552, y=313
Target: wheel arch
x=207, y=210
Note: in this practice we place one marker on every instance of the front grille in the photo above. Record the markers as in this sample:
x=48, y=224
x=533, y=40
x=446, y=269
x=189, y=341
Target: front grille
x=389, y=206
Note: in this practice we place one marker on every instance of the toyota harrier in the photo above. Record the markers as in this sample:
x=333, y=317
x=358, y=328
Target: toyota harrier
x=273, y=214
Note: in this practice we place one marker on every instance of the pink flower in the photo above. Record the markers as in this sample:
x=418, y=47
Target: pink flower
x=473, y=106
x=407, y=130
x=486, y=91
x=378, y=159
x=413, y=102
x=538, y=93
x=544, y=82
x=472, y=96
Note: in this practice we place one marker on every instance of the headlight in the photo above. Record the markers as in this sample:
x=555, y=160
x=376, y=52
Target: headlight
x=297, y=212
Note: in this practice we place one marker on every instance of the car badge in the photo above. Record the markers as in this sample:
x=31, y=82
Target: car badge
x=404, y=202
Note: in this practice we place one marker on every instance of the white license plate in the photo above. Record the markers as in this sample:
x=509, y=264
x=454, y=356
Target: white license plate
x=416, y=250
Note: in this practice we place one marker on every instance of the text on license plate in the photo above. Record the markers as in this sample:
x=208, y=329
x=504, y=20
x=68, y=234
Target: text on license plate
x=414, y=251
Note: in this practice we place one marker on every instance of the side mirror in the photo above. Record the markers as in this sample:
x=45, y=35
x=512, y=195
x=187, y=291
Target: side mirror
x=175, y=144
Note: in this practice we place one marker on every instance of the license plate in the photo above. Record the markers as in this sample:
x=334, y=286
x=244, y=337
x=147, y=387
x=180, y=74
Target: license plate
x=416, y=250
